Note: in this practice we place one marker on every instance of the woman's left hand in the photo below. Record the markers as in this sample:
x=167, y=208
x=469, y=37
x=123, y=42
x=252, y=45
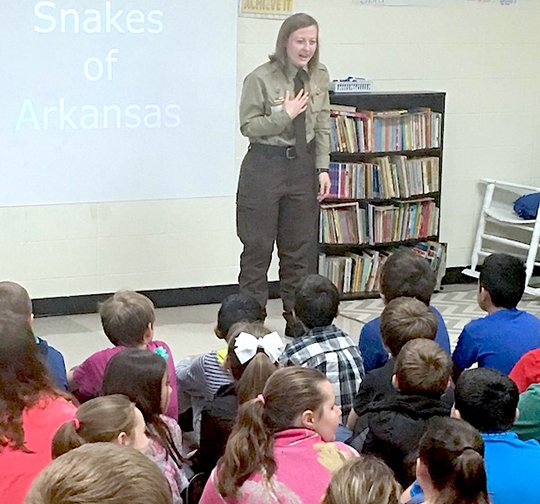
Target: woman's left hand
x=324, y=185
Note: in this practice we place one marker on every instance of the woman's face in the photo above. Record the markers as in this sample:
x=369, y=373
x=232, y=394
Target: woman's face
x=301, y=45
x=166, y=391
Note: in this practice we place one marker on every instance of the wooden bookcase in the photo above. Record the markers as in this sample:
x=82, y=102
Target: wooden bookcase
x=390, y=210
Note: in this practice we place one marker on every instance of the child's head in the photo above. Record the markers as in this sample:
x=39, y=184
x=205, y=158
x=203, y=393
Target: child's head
x=142, y=376
x=127, y=318
x=487, y=399
x=100, y=472
x=423, y=368
x=364, y=479
x=252, y=357
x=502, y=277
x=407, y=274
x=316, y=301
x=15, y=301
x=112, y=419
x=292, y=397
x=24, y=378
x=404, y=319
x=237, y=308
x=451, y=459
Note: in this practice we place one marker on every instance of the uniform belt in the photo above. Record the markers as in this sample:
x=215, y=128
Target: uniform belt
x=278, y=150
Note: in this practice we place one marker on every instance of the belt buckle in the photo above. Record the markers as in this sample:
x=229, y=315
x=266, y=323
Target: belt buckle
x=290, y=152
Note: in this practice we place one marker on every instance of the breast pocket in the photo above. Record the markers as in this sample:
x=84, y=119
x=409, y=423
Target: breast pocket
x=316, y=99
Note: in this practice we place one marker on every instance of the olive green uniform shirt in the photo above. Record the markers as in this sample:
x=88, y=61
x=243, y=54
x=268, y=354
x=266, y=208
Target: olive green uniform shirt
x=263, y=118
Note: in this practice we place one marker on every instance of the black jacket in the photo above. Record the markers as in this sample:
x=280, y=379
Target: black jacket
x=394, y=428
x=217, y=420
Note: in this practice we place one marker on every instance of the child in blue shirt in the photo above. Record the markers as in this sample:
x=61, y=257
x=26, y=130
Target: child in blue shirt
x=500, y=339
x=404, y=274
x=15, y=301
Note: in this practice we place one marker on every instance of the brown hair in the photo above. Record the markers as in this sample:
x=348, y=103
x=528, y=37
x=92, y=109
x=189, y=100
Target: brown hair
x=24, y=379
x=423, y=367
x=453, y=453
x=365, y=479
x=101, y=419
x=14, y=300
x=407, y=274
x=288, y=393
x=100, y=472
x=288, y=27
x=253, y=374
x=404, y=319
x=125, y=317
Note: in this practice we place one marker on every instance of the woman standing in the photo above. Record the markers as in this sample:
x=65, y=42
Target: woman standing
x=285, y=113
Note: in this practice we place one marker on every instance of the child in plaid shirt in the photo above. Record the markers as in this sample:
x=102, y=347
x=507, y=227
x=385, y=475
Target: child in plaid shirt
x=325, y=347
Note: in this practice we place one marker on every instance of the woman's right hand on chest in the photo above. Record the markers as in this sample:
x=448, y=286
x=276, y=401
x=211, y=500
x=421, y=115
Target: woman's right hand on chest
x=295, y=105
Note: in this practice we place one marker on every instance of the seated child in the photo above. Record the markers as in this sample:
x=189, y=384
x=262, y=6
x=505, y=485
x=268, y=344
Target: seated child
x=527, y=425
x=450, y=464
x=31, y=410
x=488, y=399
x=100, y=472
x=282, y=447
x=498, y=340
x=15, y=301
x=128, y=321
x=113, y=419
x=527, y=370
x=404, y=274
x=365, y=480
x=396, y=424
x=403, y=319
x=324, y=346
x=143, y=377
x=252, y=357
x=200, y=378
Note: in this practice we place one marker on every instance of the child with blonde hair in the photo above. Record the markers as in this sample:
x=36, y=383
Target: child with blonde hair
x=100, y=472
x=367, y=480
x=113, y=419
x=282, y=446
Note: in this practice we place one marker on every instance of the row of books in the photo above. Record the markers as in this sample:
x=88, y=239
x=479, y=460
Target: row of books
x=361, y=273
x=384, y=131
x=385, y=177
x=348, y=223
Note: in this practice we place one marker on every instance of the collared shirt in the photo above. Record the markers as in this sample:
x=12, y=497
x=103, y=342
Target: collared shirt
x=333, y=352
x=263, y=118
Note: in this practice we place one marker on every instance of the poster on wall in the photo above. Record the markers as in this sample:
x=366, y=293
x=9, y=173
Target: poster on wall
x=268, y=9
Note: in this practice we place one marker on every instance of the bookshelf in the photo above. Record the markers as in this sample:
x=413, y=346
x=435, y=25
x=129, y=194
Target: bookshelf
x=386, y=173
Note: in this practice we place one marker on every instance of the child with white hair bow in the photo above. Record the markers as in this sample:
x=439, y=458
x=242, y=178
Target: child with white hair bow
x=253, y=356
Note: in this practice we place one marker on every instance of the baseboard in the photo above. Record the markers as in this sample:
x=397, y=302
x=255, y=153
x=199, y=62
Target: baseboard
x=163, y=298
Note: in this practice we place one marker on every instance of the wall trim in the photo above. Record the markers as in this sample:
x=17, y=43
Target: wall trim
x=162, y=298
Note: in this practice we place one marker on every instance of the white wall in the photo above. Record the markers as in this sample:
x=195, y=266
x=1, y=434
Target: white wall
x=484, y=57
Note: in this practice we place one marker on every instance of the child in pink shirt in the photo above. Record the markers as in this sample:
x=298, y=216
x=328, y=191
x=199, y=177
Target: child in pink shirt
x=282, y=447
x=128, y=321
